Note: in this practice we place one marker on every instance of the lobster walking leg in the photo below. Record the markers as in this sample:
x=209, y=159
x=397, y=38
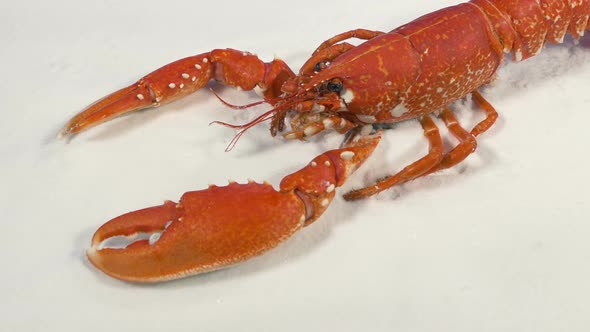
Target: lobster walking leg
x=333, y=47
x=467, y=143
x=491, y=114
x=363, y=34
x=414, y=170
x=334, y=122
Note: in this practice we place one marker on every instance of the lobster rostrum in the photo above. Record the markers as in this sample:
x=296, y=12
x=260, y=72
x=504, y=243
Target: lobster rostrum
x=412, y=72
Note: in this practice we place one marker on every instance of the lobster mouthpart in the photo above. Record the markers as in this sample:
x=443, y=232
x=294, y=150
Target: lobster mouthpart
x=209, y=229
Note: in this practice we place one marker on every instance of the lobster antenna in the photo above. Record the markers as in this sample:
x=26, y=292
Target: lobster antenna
x=236, y=107
x=264, y=117
x=247, y=125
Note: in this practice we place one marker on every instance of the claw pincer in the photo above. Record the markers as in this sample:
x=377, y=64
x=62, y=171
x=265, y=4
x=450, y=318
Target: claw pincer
x=221, y=226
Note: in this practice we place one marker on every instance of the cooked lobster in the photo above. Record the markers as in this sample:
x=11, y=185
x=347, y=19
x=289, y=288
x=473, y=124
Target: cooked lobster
x=412, y=72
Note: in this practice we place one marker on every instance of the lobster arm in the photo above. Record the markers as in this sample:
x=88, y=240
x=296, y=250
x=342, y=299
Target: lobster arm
x=221, y=226
x=182, y=77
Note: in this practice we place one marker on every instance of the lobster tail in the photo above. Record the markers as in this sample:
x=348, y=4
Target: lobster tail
x=523, y=26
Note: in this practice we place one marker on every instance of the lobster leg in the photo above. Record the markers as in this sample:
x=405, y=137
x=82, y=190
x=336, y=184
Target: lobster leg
x=329, y=49
x=221, y=226
x=363, y=34
x=319, y=59
x=182, y=77
x=412, y=171
x=467, y=143
x=334, y=122
x=491, y=114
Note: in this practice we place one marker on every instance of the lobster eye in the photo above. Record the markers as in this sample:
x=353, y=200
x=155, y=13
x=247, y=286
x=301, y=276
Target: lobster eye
x=321, y=66
x=318, y=67
x=335, y=85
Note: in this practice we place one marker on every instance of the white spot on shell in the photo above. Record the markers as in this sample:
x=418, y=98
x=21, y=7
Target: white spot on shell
x=366, y=130
x=439, y=90
x=302, y=219
x=181, y=85
x=140, y=96
x=366, y=118
x=194, y=78
x=154, y=238
x=347, y=95
x=171, y=85
x=399, y=110
x=318, y=108
x=325, y=202
x=330, y=188
x=205, y=60
x=379, y=106
x=185, y=76
x=314, y=164
x=346, y=155
x=309, y=131
x=198, y=66
x=259, y=91
x=327, y=163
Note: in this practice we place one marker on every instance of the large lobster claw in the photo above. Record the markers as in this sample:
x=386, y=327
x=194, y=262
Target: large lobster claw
x=220, y=226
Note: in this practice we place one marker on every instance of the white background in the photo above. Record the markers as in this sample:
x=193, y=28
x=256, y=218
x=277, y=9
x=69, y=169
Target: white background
x=499, y=243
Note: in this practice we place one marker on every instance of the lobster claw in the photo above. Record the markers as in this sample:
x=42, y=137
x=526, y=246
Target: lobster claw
x=221, y=226
x=207, y=230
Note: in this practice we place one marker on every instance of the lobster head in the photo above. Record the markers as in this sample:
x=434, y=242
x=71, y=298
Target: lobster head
x=359, y=85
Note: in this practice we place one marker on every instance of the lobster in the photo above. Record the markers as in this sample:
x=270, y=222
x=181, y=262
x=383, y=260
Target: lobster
x=412, y=72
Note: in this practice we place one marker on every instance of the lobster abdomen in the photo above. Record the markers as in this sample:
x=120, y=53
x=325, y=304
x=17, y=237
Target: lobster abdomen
x=524, y=26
